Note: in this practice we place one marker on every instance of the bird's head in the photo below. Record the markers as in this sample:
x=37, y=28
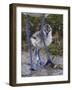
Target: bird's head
x=46, y=29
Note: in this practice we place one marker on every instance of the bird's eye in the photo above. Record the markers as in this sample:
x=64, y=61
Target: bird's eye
x=47, y=33
x=33, y=37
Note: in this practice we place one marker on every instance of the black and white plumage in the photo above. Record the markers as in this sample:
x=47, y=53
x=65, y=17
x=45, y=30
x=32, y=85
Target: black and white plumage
x=38, y=43
x=47, y=34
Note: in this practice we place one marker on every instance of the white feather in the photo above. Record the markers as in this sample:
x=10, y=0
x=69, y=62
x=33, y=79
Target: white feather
x=37, y=42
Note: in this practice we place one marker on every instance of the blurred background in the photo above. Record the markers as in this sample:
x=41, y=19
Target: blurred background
x=55, y=21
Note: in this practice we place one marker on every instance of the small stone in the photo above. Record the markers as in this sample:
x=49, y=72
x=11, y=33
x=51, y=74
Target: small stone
x=25, y=70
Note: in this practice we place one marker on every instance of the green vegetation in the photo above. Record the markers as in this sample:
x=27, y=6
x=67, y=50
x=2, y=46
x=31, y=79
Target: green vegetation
x=56, y=22
x=56, y=49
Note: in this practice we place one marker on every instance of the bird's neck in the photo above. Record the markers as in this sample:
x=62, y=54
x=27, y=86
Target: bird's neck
x=48, y=40
x=49, y=35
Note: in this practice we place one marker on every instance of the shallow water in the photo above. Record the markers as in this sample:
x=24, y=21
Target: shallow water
x=41, y=71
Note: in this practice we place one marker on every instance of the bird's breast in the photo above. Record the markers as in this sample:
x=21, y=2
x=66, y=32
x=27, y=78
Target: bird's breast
x=37, y=42
x=48, y=40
